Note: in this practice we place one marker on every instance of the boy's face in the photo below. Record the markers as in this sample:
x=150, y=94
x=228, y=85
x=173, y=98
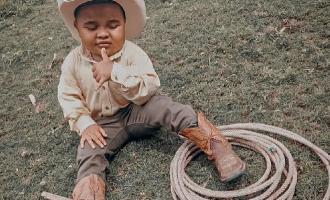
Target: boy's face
x=101, y=26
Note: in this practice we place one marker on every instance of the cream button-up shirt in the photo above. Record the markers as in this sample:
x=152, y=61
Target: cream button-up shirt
x=133, y=80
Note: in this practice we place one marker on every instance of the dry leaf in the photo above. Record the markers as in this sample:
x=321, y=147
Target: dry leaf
x=33, y=99
x=38, y=106
x=25, y=153
x=290, y=25
x=282, y=30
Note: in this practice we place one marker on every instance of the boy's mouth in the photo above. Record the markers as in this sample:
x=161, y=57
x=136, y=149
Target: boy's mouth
x=103, y=44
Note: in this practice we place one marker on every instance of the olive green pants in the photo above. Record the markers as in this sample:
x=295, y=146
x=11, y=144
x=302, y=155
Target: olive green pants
x=130, y=123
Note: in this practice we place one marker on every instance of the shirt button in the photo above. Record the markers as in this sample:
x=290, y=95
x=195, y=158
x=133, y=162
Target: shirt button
x=107, y=107
x=103, y=87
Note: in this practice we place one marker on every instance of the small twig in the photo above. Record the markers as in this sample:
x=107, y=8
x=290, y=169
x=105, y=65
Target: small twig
x=53, y=61
x=282, y=30
x=50, y=196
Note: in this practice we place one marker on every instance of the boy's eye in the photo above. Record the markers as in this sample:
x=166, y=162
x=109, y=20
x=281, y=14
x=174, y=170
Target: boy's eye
x=91, y=27
x=113, y=25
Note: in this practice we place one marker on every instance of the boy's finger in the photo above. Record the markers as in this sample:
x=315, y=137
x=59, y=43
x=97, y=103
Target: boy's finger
x=93, y=68
x=104, y=55
x=103, y=132
x=96, y=139
x=98, y=78
x=101, y=139
x=98, y=142
x=90, y=141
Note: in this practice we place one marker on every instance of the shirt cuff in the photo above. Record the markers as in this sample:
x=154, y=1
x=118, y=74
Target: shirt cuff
x=83, y=122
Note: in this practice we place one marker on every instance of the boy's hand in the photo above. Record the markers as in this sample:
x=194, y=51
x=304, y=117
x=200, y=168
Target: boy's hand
x=94, y=134
x=102, y=70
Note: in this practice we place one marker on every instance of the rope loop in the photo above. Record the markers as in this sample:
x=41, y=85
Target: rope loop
x=276, y=156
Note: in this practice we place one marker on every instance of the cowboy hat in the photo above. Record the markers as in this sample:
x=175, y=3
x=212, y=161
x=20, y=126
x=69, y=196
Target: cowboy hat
x=135, y=11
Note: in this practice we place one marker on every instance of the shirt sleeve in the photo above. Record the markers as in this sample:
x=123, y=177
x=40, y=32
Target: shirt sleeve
x=71, y=99
x=137, y=80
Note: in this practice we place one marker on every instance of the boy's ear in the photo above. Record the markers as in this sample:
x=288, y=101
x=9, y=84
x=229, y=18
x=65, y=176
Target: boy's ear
x=75, y=23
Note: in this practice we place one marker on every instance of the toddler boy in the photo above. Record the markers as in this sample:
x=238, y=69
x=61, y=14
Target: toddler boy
x=107, y=91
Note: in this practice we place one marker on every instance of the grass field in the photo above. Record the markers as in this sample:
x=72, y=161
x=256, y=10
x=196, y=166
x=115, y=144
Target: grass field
x=237, y=61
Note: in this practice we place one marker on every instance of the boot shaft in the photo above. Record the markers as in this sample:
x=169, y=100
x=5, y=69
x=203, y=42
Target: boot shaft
x=214, y=144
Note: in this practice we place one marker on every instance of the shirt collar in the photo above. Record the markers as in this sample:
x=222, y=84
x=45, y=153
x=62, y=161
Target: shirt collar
x=86, y=55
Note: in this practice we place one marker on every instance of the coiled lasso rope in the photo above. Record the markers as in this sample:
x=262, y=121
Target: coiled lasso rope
x=269, y=186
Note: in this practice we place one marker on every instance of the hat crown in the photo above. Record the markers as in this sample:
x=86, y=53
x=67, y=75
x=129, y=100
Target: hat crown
x=135, y=11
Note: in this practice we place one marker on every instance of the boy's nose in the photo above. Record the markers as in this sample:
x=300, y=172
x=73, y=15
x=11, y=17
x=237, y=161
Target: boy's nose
x=102, y=34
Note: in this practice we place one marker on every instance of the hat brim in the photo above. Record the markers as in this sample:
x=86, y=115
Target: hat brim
x=135, y=11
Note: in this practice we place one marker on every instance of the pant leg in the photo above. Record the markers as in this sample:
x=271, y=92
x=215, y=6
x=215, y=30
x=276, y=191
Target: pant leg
x=160, y=111
x=94, y=161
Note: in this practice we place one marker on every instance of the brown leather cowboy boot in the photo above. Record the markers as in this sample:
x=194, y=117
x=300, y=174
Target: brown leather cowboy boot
x=91, y=187
x=209, y=139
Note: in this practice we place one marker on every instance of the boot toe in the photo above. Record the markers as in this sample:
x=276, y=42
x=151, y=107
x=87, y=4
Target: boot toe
x=91, y=187
x=234, y=173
